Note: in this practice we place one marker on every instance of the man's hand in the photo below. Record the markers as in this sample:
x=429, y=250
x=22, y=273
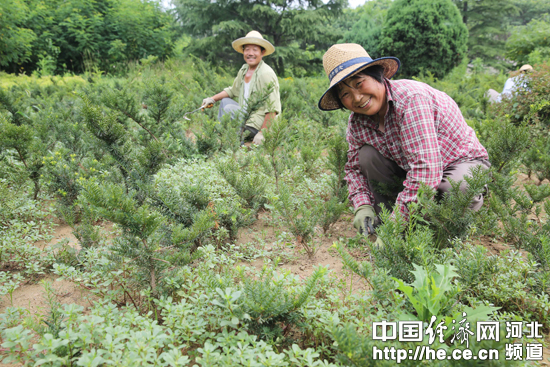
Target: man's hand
x=208, y=101
x=364, y=219
x=258, y=138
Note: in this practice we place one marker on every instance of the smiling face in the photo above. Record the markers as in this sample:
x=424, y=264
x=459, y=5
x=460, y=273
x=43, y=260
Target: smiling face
x=363, y=94
x=253, y=55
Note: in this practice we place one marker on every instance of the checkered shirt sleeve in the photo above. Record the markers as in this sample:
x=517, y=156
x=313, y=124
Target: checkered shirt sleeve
x=421, y=150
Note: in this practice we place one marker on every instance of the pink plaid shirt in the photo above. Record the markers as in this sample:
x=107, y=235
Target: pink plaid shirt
x=424, y=134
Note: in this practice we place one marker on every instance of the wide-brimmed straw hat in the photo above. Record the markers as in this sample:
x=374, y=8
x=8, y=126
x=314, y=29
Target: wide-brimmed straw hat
x=253, y=38
x=346, y=59
x=526, y=67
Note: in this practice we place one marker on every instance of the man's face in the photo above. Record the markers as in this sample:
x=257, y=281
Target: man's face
x=362, y=94
x=253, y=54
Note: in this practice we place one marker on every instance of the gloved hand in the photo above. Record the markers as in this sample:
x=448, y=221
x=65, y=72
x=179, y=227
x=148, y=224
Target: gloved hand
x=379, y=243
x=364, y=215
x=208, y=101
x=258, y=138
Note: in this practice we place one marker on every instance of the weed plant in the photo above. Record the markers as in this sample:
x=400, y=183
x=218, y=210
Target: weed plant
x=450, y=217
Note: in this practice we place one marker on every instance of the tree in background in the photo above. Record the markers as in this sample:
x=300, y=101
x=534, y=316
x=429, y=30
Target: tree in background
x=368, y=29
x=529, y=10
x=301, y=30
x=530, y=44
x=15, y=38
x=426, y=35
x=486, y=24
x=73, y=35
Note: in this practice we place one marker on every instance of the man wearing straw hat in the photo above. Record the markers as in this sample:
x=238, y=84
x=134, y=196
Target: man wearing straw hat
x=254, y=76
x=511, y=85
x=400, y=133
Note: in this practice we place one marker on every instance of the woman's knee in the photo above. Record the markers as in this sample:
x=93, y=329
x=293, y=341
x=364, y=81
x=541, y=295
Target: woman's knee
x=367, y=157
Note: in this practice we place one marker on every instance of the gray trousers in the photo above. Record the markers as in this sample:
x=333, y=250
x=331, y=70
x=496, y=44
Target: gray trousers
x=492, y=95
x=230, y=106
x=385, y=177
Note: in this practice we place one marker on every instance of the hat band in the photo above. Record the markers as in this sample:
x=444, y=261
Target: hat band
x=346, y=65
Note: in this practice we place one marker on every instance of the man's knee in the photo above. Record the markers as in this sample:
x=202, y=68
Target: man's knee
x=227, y=106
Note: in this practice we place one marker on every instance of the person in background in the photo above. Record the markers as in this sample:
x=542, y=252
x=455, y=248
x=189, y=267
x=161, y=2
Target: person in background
x=400, y=133
x=253, y=76
x=512, y=84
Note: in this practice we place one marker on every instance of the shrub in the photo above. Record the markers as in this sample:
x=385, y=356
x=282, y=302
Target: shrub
x=450, y=217
x=529, y=104
x=529, y=42
x=405, y=244
x=517, y=290
x=425, y=35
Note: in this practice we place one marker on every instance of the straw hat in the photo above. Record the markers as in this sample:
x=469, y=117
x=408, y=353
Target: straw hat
x=347, y=59
x=526, y=67
x=253, y=38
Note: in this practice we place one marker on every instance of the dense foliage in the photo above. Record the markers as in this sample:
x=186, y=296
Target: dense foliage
x=486, y=27
x=300, y=30
x=530, y=44
x=425, y=36
x=368, y=29
x=54, y=36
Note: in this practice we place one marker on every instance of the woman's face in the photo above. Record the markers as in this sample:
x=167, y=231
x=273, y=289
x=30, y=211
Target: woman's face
x=363, y=94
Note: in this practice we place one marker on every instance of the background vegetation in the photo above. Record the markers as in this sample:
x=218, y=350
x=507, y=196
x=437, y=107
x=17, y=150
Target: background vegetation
x=172, y=215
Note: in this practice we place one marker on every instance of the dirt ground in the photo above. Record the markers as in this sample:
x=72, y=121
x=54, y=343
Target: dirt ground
x=31, y=295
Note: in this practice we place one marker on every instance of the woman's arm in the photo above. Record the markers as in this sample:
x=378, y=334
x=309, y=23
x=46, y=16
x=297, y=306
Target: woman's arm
x=421, y=149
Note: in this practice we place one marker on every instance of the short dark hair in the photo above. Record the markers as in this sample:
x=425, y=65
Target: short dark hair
x=263, y=49
x=376, y=72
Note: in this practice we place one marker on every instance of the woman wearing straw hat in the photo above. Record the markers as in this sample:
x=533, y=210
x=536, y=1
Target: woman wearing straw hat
x=254, y=76
x=400, y=133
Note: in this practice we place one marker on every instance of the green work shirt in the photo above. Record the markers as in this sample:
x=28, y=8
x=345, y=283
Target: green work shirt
x=263, y=75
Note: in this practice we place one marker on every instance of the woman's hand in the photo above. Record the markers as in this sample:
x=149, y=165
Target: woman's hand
x=361, y=222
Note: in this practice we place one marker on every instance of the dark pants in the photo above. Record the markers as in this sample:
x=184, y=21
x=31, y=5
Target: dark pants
x=249, y=133
x=229, y=106
x=385, y=177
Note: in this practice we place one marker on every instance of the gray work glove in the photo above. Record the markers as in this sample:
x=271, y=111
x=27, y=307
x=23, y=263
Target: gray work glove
x=208, y=101
x=258, y=138
x=364, y=219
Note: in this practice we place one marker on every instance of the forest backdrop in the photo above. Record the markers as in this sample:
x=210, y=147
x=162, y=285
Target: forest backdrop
x=58, y=37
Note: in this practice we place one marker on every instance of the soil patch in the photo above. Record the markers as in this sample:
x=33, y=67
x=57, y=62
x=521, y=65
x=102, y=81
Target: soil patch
x=294, y=258
x=32, y=296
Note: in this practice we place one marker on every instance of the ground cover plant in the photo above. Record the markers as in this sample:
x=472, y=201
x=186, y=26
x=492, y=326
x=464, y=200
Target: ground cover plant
x=195, y=250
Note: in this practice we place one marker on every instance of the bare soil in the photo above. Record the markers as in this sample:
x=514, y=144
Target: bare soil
x=262, y=234
x=300, y=263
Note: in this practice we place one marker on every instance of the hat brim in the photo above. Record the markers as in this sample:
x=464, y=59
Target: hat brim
x=329, y=103
x=240, y=42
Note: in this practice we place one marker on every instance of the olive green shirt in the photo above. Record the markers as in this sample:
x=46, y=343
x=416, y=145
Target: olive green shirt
x=263, y=75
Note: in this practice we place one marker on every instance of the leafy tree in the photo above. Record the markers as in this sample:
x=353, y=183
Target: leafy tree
x=486, y=26
x=78, y=34
x=425, y=36
x=15, y=38
x=529, y=10
x=368, y=29
x=301, y=30
x=530, y=43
